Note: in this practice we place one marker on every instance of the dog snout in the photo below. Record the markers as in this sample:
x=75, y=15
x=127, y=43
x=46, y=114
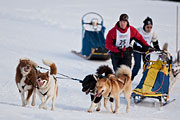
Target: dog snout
x=83, y=89
x=27, y=67
x=38, y=80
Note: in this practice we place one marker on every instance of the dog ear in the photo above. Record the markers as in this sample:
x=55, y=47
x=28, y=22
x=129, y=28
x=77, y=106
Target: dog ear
x=98, y=79
x=38, y=72
x=108, y=81
x=165, y=46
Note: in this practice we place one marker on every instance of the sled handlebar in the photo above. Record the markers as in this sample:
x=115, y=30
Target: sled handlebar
x=92, y=23
x=163, y=54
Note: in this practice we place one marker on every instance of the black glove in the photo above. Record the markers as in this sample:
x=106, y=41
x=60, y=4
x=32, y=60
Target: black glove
x=170, y=60
x=151, y=49
x=130, y=49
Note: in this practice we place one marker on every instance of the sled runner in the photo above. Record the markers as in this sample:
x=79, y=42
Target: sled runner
x=93, y=41
x=155, y=80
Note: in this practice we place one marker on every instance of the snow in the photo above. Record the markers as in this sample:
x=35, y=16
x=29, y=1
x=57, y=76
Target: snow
x=50, y=29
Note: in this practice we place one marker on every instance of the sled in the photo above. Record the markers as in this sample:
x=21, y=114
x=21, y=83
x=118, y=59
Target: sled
x=93, y=41
x=96, y=54
x=155, y=80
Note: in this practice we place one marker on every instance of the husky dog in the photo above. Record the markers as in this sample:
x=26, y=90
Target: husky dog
x=47, y=85
x=175, y=68
x=113, y=86
x=89, y=84
x=175, y=71
x=26, y=76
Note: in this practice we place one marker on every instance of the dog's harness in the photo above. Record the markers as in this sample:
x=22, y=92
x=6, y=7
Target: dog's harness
x=23, y=86
x=44, y=93
x=109, y=95
x=109, y=92
x=124, y=82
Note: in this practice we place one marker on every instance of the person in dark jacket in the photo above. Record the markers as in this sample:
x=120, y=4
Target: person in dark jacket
x=119, y=41
x=151, y=37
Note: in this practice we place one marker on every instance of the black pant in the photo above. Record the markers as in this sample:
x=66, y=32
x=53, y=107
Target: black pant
x=137, y=65
x=121, y=58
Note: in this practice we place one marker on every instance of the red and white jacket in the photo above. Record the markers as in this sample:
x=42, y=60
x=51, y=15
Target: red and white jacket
x=110, y=42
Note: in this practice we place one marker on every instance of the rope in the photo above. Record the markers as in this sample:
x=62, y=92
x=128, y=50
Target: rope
x=67, y=77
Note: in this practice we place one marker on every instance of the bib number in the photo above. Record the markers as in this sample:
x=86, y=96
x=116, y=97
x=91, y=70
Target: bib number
x=122, y=43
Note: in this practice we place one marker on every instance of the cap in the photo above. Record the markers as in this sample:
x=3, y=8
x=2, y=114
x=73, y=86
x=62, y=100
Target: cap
x=123, y=17
x=148, y=21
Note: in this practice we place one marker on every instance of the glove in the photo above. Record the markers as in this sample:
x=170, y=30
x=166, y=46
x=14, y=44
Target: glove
x=170, y=60
x=151, y=49
x=121, y=49
x=130, y=49
x=132, y=43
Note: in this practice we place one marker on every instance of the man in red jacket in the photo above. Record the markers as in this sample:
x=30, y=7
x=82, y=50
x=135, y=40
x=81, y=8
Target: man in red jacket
x=119, y=41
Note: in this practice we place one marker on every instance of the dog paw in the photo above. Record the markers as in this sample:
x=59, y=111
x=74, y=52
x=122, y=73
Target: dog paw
x=26, y=102
x=45, y=107
x=23, y=105
x=115, y=112
x=33, y=103
x=98, y=109
x=42, y=106
x=89, y=111
x=52, y=109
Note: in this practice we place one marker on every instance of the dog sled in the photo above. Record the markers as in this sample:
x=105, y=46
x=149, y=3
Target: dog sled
x=93, y=41
x=155, y=80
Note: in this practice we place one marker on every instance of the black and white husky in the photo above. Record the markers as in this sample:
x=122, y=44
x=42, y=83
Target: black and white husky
x=89, y=84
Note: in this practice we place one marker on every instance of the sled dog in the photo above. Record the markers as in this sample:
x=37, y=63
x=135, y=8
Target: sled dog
x=47, y=85
x=26, y=76
x=113, y=86
x=175, y=68
x=89, y=84
x=175, y=71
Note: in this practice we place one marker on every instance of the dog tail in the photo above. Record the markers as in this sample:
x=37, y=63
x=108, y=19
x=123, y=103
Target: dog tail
x=165, y=46
x=51, y=64
x=124, y=73
x=104, y=69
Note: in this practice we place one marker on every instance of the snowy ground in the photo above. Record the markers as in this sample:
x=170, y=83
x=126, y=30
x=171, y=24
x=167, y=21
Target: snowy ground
x=50, y=29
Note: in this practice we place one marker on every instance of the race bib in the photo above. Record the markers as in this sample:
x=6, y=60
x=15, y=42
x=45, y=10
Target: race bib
x=122, y=39
x=147, y=37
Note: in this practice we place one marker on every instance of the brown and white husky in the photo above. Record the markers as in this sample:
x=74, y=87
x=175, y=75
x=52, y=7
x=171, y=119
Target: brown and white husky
x=26, y=76
x=113, y=86
x=47, y=85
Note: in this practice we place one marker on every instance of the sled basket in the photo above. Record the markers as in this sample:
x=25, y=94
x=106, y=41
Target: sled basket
x=155, y=80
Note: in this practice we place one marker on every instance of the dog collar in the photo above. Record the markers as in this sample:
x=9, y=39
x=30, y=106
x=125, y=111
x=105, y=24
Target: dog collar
x=109, y=94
